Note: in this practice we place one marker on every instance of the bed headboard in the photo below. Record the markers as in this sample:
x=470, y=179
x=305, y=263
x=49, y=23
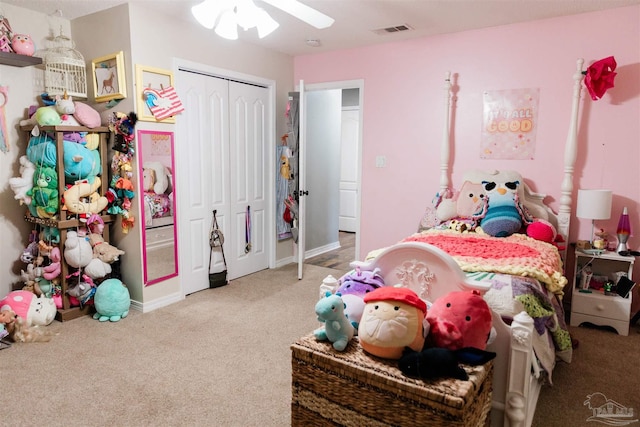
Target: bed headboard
x=533, y=201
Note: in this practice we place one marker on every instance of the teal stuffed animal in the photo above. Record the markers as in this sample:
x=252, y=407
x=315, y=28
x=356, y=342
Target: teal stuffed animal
x=112, y=301
x=337, y=328
x=44, y=194
x=79, y=161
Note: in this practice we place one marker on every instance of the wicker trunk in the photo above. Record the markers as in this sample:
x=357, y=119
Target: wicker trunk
x=353, y=388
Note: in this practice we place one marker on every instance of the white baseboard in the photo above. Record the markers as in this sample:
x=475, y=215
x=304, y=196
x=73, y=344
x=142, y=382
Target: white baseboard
x=284, y=261
x=321, y=250
x=157, y=303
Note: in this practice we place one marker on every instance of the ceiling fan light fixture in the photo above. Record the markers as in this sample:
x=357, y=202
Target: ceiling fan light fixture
x=303, y=12
x=226, y=15
x=247, y=14
x=227, y=26
x=206, y=13
x=266, y=24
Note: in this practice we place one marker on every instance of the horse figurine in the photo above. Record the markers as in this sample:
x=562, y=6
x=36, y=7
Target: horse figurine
x=337, y=328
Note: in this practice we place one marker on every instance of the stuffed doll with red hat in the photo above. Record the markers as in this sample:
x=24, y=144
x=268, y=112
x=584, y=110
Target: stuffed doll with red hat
x=393, y=318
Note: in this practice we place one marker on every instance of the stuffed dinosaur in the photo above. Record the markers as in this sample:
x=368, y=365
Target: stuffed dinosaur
x=337, y=328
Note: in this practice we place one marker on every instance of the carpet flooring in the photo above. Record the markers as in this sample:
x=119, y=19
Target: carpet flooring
x=221, y=357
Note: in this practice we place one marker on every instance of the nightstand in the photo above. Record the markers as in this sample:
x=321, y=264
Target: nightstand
x=596, y=307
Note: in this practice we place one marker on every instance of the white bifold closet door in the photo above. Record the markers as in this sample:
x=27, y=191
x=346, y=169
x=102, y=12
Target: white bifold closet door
x=222, y=143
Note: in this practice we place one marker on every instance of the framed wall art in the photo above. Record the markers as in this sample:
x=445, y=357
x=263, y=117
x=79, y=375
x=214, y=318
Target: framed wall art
x=109, y=77
x=156, y=98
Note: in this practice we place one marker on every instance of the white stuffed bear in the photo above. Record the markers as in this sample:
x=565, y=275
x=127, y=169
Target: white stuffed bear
x=97, y=269
x=23, y=183
x=77, y=250
x=156, y=178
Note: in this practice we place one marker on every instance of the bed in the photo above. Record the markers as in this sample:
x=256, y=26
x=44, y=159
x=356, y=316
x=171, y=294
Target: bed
x=525, y=294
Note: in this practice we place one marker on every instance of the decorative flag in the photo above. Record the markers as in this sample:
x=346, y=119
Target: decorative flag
x=163, y=103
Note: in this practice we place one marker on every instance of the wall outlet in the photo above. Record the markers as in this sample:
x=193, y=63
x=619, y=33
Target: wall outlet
x=381, y=161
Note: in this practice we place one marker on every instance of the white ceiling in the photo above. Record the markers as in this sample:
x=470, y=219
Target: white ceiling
x=356, y=19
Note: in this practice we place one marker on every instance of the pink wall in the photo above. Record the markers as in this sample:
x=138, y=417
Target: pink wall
x=404, y=112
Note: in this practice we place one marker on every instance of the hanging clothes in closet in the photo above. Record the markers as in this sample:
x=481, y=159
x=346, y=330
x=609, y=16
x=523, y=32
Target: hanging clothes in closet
x=288, y=173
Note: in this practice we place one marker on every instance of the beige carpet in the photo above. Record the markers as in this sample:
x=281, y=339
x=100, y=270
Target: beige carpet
x=221, y=358
x=604, y=362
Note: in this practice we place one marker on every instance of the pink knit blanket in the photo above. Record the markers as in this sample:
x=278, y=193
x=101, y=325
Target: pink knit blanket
x=517, y=254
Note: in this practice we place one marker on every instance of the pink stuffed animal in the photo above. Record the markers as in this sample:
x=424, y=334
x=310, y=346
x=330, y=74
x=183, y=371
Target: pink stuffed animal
x=33, y=310
x=459, y=319
x=53, y=270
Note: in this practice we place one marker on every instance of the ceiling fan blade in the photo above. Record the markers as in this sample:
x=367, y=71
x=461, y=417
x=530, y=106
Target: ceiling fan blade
x=303, y=12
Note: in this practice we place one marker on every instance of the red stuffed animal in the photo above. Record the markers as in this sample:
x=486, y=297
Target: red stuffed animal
x=458, y=320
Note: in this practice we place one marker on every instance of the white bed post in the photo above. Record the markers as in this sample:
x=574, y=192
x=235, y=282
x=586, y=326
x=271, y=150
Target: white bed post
x=521, y=398
x=445, y=149
x=570, y=152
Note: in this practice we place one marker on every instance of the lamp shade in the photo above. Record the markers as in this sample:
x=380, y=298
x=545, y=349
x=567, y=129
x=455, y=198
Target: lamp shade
x=594, y=204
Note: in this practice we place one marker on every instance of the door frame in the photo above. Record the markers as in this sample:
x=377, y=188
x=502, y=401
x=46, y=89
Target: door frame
x=179, y=63
x=349, y=84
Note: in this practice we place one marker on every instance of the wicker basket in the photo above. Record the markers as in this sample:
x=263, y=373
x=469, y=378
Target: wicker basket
x=352, y=388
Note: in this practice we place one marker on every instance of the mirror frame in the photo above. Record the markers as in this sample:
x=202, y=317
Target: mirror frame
x=142, y=136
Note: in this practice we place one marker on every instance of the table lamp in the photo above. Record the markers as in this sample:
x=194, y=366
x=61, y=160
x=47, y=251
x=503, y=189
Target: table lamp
x=594, y=205
x=623, y=231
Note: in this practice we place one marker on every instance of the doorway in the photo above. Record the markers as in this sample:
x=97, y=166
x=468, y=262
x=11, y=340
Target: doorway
x=346, y=161
x=340, y=258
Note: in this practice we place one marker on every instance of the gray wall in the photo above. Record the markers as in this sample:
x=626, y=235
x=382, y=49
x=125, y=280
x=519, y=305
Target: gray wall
x=324, y=116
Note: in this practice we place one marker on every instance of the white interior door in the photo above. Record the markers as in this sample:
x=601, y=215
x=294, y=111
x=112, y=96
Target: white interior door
x=347, y=220
x=249, y=132
x=202, y=176
x=223, y=132
x=302, y=203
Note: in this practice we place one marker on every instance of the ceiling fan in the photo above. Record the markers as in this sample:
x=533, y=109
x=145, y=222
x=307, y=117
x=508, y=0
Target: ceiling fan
x=227, y=15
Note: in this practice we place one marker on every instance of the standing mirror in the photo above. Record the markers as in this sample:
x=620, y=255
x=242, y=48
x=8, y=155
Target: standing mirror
x=160, y=257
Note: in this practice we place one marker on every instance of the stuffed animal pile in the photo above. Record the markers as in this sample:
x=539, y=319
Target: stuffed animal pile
x=492, y=208
x=84, y=256
x=395, y=324
x=37, y=186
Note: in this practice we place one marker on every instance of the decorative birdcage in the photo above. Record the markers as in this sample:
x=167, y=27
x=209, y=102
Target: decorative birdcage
x=65, y=69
